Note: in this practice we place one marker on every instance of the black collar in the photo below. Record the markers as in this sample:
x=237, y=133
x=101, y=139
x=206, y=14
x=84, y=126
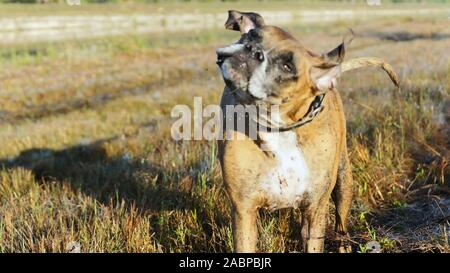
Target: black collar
x=313, y=111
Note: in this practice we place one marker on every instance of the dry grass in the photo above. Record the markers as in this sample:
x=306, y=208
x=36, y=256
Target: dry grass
x=87, y=155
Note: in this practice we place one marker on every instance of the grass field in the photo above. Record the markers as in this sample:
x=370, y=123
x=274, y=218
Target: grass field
x=87, y=155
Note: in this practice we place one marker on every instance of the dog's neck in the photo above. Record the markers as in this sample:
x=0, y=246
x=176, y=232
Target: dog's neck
x=295, y=109
x=285, y=119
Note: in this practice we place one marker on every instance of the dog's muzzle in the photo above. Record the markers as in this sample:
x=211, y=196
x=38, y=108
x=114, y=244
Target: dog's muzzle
x=221, y=58
x=226, y=52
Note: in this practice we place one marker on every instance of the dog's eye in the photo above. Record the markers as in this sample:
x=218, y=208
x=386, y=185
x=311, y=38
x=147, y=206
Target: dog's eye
x=287, y=67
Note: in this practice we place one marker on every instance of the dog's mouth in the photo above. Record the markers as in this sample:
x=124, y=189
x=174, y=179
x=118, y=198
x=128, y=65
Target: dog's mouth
x=235, y=74
x=238, y=87
x=234, y=79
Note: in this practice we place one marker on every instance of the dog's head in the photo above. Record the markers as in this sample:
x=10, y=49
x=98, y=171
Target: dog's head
x=269, y=64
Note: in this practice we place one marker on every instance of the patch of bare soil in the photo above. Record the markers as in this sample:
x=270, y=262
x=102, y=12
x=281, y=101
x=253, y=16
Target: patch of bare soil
x=422, y=226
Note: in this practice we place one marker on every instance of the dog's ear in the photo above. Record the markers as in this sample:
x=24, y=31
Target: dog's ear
x=243, y=21
x=326, y=68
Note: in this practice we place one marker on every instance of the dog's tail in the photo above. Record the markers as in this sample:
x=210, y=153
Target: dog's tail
x=371, y=61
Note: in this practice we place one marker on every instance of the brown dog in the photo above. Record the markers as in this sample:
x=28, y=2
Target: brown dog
x=299, y=155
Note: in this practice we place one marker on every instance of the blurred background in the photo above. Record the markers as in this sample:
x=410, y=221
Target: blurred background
x=86, y=157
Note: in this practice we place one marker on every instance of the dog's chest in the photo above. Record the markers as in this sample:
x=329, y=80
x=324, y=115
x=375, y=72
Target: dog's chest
x=286, y=183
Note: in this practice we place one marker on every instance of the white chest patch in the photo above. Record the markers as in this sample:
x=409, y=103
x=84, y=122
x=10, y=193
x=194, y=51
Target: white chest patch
x=285, y=184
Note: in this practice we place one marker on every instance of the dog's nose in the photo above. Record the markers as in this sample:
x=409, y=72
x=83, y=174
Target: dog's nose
x=228, y=51
x=258, y=54
x=221, y=58
x=255, y=52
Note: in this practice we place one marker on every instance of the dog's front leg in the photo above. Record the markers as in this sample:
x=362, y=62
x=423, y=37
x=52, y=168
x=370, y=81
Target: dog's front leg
x=313, y=228
x=245, y=232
